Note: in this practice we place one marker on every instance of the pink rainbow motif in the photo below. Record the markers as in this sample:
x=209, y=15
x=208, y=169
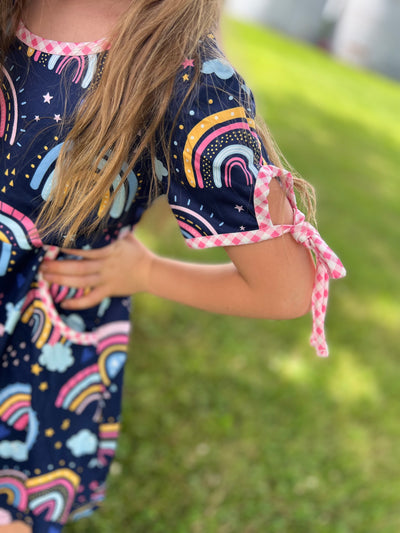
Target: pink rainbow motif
x=75, y=381
x=67, y=59
x=23, y=419
x=197, y=216
x=50, y=506
x=15, y=403
x=208, y=140
x=108, y=435
x=189, y=229
x=236, y=161
x=12, y=483
x=2, y=114
x=15, y=102
x=52, y=486
x=113, y=333
x=24, y=221
x=30, y=297
x=112, y=344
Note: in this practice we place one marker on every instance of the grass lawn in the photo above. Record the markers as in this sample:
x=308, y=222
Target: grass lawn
x=234, y=425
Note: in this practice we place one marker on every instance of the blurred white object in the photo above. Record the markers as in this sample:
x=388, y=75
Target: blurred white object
x=362, y=32
x=300, y=19
x=333, y=9
x=368, y=34
x=253, y=10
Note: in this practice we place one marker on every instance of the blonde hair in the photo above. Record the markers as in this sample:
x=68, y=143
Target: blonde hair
x=148, y=46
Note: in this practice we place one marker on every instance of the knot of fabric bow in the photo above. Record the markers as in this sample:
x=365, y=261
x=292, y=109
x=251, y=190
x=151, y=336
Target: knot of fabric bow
x=328, y=264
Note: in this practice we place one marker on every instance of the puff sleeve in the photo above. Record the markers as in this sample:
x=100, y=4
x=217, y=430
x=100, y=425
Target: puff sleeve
x=220, y=175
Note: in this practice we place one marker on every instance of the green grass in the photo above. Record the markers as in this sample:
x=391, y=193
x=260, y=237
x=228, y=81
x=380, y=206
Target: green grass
x=234, y=425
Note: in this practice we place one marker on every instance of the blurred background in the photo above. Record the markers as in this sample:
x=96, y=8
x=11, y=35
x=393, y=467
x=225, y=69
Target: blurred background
x=363, y=32
x=233, y=425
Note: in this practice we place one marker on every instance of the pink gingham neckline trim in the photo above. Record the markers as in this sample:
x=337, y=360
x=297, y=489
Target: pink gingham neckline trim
x=58, y=47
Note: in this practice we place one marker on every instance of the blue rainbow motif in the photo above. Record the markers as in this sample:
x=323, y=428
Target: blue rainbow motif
x=7, y=114
x=16, y=231
x=90, y=67
x=15, y=404
x=5, y=256
x=53, y=493
x=45, y=170
x=16, y=411
x=81, y=390
x=112, y=347
x=234, y=151
x=12, y=483
x=35, y=313
x=124, y=197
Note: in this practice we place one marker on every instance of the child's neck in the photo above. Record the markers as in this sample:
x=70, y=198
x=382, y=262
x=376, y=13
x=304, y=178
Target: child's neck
x=73, y=20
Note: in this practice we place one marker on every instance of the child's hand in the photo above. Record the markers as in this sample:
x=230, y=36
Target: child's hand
x=119, y=269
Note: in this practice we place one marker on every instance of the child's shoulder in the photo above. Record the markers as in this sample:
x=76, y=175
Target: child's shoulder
x=218, y=84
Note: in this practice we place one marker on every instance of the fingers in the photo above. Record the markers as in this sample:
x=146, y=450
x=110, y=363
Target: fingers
x=74, y=282
x=71, y=267
x=95, y=253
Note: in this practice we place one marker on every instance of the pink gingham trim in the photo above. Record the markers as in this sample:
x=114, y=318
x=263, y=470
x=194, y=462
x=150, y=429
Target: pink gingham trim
x=77, y=337
x=328, y=265
x=57, y=47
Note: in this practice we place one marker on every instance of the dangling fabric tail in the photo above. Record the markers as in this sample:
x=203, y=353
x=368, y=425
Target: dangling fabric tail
x=328, y=265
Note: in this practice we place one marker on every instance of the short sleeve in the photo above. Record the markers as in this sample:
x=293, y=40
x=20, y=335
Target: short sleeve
x=215, y=158
x=220, y=177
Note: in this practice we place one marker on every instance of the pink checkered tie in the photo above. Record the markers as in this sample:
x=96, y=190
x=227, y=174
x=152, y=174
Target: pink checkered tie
x=328, y=265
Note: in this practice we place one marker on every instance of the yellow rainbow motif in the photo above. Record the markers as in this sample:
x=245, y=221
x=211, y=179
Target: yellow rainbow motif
x=62, y=473
x=107, y=428
x=3, y=238
x=37, y=306
x=93, y=389
x=53, y=493
x=103, y=358
x=13, y=400
x=9, y=493
x=201, y=128
x=12, y=484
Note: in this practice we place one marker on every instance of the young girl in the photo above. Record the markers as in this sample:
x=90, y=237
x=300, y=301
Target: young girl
x=105, y=105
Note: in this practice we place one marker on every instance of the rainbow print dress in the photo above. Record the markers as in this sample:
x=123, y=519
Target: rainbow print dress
x=61, y=372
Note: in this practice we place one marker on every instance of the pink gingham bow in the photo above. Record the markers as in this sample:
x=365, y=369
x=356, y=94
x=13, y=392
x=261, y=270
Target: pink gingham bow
x=328, y=265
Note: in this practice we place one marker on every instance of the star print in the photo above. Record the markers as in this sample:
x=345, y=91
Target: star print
x=47, y=98
x=242, y=228
x=66, y=423
x=43, y=386
x=36, y=369
x=185, y=77
x=239, y=208
x=37, y=118
x=57, y=118
x=49, y=432
x=188, y=63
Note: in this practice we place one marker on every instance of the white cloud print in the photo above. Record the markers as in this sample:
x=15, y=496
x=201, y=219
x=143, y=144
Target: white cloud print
x=82, y=443
x=15, y=450
x=56, y=358
x=221, y=68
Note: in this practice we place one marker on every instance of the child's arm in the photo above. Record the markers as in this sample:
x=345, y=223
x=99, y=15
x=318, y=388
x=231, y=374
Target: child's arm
x=271, y=279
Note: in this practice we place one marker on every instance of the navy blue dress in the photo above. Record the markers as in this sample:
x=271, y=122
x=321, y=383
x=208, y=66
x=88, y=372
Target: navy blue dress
x=61, y=372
